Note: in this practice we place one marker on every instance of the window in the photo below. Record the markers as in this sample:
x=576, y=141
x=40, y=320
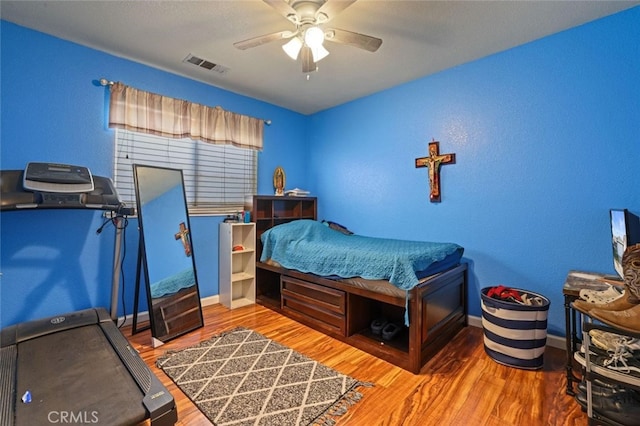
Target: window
x=217, y=178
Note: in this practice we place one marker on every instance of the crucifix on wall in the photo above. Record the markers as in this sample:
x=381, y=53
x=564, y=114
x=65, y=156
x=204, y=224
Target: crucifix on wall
x=183, y=235
x=433, y=162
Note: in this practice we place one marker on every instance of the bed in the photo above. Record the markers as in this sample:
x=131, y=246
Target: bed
x=173, y=284
x=348, y=285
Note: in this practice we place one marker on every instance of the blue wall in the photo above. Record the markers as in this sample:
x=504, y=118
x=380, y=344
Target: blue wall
x=546, y=137
x=547, y=140
x=53, y=110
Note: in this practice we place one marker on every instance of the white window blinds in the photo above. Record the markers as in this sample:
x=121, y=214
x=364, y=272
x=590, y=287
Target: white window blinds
x=217, y=177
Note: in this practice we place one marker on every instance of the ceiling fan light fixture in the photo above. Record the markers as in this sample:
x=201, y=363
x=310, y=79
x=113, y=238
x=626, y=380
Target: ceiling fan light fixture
x=314, y=37
x=321, y=18
x=292, y=47
x=309, y=17
x=319, y=53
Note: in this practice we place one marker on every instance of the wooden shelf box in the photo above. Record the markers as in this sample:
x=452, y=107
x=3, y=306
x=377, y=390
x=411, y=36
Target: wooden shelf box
x=237, y=264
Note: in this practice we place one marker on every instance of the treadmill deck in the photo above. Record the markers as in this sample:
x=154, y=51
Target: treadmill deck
x=77, y=368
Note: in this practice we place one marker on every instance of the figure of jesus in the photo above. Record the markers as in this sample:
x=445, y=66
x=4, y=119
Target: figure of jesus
x=183, y=235
x=433, y=162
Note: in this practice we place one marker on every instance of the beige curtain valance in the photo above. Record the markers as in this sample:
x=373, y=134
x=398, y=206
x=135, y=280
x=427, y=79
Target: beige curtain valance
x=146, y=112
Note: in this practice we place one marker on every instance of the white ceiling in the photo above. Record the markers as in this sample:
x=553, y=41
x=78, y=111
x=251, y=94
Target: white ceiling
x=419, y=38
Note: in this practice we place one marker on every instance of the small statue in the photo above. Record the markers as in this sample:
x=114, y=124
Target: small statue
x=279, y=181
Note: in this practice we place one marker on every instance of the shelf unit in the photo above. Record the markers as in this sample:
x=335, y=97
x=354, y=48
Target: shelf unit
x=268, y=211
x=237, y=264
x=576, y=281
x=593, y=371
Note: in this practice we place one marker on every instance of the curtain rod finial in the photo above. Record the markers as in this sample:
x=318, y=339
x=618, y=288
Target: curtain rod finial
x=267, y=122
x=105, y=82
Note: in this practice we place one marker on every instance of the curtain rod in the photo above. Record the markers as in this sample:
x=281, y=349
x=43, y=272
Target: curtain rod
x=104, y=82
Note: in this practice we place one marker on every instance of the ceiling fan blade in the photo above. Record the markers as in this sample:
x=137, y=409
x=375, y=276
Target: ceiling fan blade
x=284, y=9
x=307, y=59
x=361, y=41
x=260, y=40
x=331, y=8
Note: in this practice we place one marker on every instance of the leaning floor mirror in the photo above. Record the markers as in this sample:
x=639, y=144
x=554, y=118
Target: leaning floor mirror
x=166, y=253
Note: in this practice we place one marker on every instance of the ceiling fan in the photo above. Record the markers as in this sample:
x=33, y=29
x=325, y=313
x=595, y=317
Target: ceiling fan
x=310, y=17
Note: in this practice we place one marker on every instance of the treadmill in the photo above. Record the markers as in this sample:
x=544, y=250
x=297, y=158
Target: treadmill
x=77, y=368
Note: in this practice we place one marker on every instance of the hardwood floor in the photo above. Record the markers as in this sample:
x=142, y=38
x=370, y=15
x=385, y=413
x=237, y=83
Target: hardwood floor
x=459, y=386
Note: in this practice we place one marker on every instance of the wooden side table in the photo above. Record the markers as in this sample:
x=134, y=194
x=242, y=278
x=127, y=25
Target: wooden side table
x=576, y=281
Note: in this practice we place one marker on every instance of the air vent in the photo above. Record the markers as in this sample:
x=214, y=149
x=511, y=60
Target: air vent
x=203, y=63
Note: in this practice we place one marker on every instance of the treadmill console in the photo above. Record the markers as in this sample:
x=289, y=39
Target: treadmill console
x=14, y=195
x=57, y=178
x=62, y=200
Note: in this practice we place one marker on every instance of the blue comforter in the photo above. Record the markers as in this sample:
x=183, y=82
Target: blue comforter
x=173, y=284
x=310, y=246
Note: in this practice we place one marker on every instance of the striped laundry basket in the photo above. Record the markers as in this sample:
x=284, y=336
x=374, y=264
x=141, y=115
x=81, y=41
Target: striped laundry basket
x=515, y=334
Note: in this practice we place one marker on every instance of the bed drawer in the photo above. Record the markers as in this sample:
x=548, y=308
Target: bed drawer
x=321, y=306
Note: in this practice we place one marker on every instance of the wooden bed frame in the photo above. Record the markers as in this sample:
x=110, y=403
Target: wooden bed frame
x=437, y=307
x=437, y=311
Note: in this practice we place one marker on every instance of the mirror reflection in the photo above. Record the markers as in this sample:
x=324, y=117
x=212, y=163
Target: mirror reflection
x=168, y=258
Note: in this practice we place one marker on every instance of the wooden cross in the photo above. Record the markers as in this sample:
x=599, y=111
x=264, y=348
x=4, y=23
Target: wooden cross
x=183, y=235
x=433, y=162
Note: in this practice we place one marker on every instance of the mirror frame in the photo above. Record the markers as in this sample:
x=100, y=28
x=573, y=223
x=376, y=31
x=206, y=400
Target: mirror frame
x=158, y=330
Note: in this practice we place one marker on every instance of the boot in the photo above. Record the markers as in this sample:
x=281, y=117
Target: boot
x=631, y=298
x=631, y=272
x=619, y=304
x=627, y=320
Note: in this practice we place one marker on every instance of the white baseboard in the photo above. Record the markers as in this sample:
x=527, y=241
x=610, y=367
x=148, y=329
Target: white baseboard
x=553, y=341
x=210, y=300
x=144, y=316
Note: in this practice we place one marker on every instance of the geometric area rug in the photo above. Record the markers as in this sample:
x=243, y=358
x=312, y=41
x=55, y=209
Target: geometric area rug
x=243, y=378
